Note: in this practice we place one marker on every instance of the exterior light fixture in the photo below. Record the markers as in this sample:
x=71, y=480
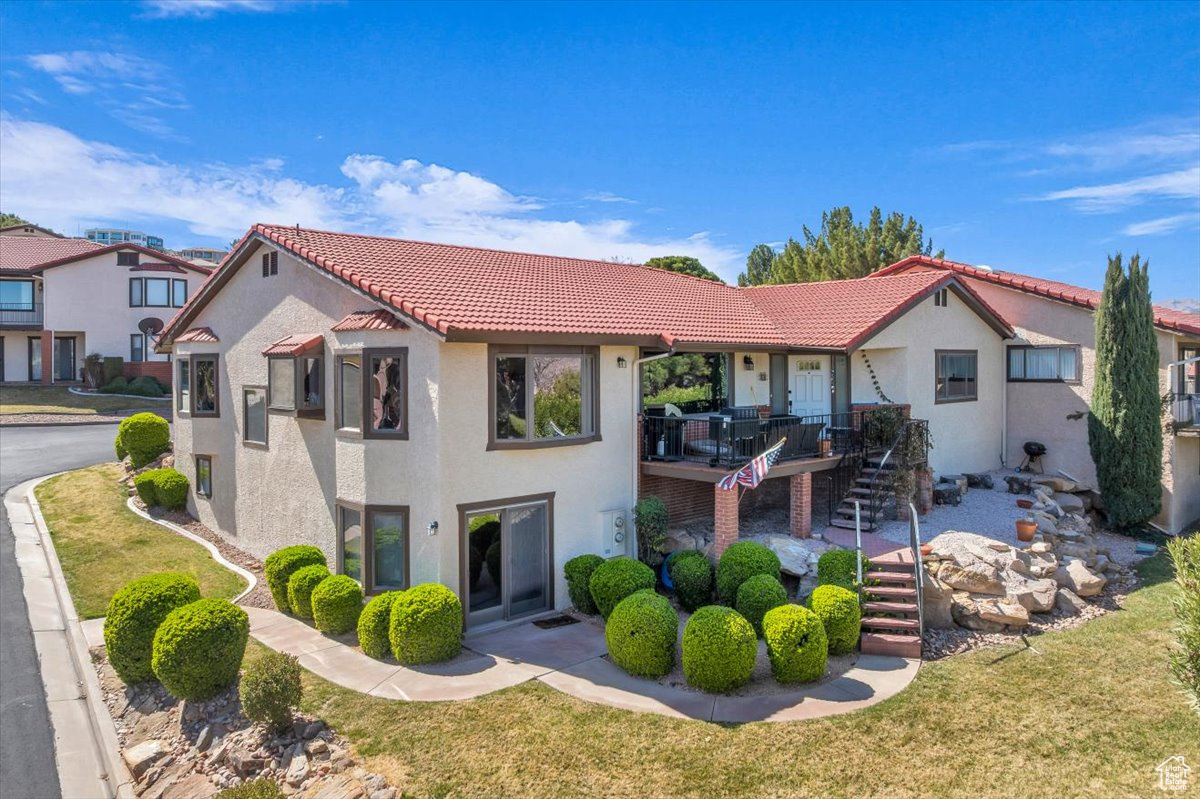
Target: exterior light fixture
x=433, y=528
x=621, y=362
x=748, y=362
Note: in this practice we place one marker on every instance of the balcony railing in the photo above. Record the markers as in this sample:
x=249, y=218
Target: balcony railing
x=20, y=314
x=1186, y=411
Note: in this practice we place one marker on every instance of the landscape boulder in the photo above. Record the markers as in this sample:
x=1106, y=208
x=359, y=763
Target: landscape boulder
x=794, y=556
x=1074, y=574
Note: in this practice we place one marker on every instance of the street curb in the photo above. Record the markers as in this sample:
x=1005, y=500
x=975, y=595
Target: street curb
x=118, y=779
x=56, y=424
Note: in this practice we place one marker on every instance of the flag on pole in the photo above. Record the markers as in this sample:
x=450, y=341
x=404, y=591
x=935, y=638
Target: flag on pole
x=755, y=471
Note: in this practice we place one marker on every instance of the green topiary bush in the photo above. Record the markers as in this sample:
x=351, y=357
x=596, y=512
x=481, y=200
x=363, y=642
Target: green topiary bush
x=692, y=576
x=650, y=519
x=617, y=578
x=300, y=587
x=836, y=567
x=374, y=624
x=578, y=572
x=840, y=613
x=134, y=614
x=166, y=488
x=739, y=563
x=270, y=690
x=279, y=566
x=756, y=596
x=336, y=603
x=796, y=643
x=719, y=650
x=261, y=788
x=426, y=624
x=143, y=436
x=118, y=385
x=144, y=386
x=198, y=648
x=493, y=562
x=641, y=634
x=144, y=485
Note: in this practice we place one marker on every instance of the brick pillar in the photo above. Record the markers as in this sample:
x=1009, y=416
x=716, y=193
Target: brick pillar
x=725, y=519
x=801, y=504
x=47, y=356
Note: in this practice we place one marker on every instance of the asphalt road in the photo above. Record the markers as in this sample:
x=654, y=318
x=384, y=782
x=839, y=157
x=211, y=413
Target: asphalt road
x=27, y=769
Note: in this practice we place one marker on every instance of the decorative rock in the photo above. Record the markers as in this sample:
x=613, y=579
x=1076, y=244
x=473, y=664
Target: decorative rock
x=977, y=578
x=204, y=739
x=141, y=757
x=677, y=540
x=1073, y=574
x=1035, y=596
x=1069, y=502
x=342, y=786
x=1056, y=484
x=1065, y=601
x=1018, y=485
x=297, y=768
x=316, y=747
x=966, y=614
x=314, y=729
x=946, y=495
x=999, y=611
x=793, y=555
x=937, y=598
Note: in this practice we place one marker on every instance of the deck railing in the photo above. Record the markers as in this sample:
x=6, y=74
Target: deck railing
x=1186, y=410
x=20, y=314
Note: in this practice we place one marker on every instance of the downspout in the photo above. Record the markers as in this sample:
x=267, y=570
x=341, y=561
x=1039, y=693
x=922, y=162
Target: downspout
x=637, y=464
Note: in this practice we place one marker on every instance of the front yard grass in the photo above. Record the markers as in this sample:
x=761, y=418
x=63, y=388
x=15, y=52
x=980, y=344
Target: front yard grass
x=57, y=400
x=1092, y=715
x=102, y=544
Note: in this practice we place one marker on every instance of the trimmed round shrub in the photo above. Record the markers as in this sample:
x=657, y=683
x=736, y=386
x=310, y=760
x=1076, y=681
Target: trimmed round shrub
x=426, y=624
x=198, y=648
x=300, y=587
x=840, y=613
x=143, y=436
x=482, y=532
x=336, y=603
x=617, y=578
x=692, y=575
x=170, y=488
x=578, y=572
x=281, y=564
x=796, y=643
x=261, y=788
x=117, y=385
x=144, y=386
x=493, y=562
x=739, y=563
x=374, y=624
x=836, y=567
x=758, y=595
x=270, y=690
x=144, y=485
x=641, y=634
x=474, y=566
x=719, y=650
x=134, y=614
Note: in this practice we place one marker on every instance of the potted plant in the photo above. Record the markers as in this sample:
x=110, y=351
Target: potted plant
x=1026, y=528
x=824, y=446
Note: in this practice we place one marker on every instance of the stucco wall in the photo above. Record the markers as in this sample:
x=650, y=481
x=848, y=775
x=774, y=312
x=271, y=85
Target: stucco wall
x=747, y=388
x=16, y=354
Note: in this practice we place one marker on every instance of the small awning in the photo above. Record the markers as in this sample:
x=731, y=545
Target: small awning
x=202, y=334
x=296, y=345
x=369, y=320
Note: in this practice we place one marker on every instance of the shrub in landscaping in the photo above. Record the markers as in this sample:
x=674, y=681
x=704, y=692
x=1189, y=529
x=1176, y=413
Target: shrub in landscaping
x=482, y=532
x=114, y=365
x=300, y=587
x=198, y=648
x=118, y=385
x=641, y=634
x=426, y=624
x=336, y=603
x=719, y=649
x=270, y=690
x=578, y=572
x=144, y=386
x=493, y=561
x=143, y=437
x=739, y=563
x=134, y=614
x=279, y=566
x=796, y=643
x=617, y=578
x=374, y=624
x=166, y=488
x=650, y=519
x=691, y=573
x=756, y=596
x=261, y=788
x=840, y=613
x=1185, y=654
x=836, y=567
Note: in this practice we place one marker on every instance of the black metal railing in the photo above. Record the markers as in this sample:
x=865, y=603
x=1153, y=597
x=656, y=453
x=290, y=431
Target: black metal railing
x=909, y=450
x=20, y=313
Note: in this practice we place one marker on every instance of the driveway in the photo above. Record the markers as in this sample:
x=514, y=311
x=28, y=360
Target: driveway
x=27, y=768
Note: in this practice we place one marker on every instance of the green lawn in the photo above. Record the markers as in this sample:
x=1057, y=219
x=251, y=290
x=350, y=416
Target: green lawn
x=103, y=545
x=57, y=400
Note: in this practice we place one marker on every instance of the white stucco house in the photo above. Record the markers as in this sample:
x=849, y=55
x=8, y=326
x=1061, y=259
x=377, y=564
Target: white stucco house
x=62, y=299
x=375, y=396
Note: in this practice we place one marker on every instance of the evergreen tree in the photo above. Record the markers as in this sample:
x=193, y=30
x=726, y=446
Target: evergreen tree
x=685, y=265
x=758, y=266
x=1124, y=426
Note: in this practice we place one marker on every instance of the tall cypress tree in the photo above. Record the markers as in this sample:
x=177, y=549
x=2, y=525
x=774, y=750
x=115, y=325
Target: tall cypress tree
x=1124, y=427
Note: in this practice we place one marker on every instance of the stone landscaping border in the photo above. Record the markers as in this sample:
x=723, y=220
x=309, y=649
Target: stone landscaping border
x=81, y=393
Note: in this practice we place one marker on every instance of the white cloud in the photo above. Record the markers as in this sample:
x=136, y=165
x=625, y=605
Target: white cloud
x=1107, y=197
x=85, y=71
x=64, y=181
x=203, y=9
x=607, y=197
x=1166, y=224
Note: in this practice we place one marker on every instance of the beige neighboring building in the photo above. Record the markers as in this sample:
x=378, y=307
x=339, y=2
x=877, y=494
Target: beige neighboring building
x=62, y=299
x=1049, y=377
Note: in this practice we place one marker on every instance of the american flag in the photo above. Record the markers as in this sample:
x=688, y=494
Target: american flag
x=755, y=471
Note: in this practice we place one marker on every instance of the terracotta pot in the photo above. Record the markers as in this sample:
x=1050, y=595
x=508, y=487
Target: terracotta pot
x=926, y=549
x=1026, y=529
x=823, y=447
x=1025, y=503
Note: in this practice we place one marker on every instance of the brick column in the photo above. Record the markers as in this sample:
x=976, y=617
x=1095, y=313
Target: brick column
x=47, y=356
x=801, y=504
x=725, y=519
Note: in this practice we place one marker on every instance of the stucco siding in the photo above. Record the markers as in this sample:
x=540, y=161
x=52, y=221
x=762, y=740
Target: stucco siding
x=16, y=354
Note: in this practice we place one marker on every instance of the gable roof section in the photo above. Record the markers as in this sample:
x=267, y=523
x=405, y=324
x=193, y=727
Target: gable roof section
x=23, y=226
x=369, y=320
x=25, y=253
x=1165, y=318
x=159, y=257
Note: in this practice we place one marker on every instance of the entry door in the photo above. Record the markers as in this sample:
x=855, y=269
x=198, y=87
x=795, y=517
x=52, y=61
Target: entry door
x=810, y=388
x=35, y=358
x=507, y=562
x=64, y=358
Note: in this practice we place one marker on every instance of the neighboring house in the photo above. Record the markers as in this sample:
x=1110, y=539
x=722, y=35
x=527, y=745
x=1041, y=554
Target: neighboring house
x=207, y=254
x=31, y=230
x=1050, y=368
x=62, y=299
x=109, y=236
x=374, y=396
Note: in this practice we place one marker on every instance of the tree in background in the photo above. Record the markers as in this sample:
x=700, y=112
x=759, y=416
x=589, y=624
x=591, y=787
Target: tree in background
x=1124, y=429
x=842, y=249
x=685, y=265
x=11, y=219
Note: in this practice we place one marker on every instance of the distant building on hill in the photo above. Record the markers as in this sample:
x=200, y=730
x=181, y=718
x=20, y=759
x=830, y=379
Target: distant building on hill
x=208, y=254
x=107, y=236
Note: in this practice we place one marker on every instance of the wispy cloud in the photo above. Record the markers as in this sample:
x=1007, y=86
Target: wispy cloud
x=1166, y=224
x=62, y=180
x=1107, y=197
x=203, y=9
x=607, y=197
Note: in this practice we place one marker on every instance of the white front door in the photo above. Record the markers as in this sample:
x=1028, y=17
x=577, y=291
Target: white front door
x=810, y=387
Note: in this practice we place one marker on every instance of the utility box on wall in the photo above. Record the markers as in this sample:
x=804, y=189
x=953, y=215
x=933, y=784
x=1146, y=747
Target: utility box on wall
x=615, y=535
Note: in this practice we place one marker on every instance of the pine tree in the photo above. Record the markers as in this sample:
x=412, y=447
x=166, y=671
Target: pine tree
x=1124, y=427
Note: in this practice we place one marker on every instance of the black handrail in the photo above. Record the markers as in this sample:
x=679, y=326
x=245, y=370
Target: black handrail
x=908, y=428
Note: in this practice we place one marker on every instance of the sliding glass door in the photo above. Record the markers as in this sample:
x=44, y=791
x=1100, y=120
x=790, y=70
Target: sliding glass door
x=506, y=550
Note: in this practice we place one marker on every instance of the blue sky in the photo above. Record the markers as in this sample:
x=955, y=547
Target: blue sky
x=1032, y=137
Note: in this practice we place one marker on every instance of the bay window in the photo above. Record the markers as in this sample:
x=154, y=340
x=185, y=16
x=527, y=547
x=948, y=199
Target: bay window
x=204, y=394
x=385, y=393
x=295, y=375
x=349, y=381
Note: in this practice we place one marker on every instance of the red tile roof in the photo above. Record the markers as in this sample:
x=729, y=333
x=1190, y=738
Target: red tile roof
x=1166, y=318
x=201, y=334
x=295, y=345
x=369, y=320
x=23, y=253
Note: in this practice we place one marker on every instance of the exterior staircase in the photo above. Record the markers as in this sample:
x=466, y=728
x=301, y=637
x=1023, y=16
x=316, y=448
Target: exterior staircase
x=891, y=616
x=874, y=474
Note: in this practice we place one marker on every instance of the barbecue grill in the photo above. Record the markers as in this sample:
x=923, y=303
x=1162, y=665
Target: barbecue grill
x=1034, y=450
